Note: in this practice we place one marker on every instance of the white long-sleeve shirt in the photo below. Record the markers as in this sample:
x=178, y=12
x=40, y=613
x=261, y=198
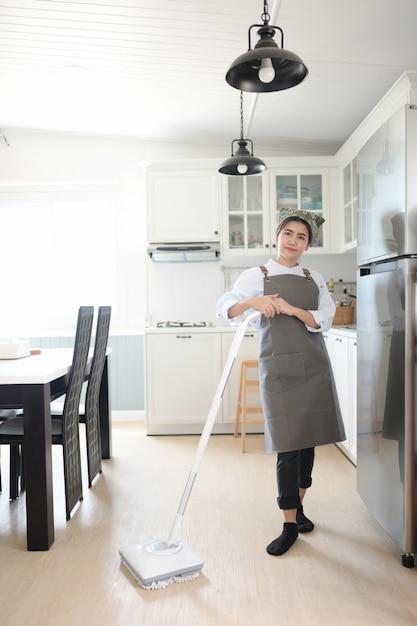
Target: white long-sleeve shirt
x=251, y=284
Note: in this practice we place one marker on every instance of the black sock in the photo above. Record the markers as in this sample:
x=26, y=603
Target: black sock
x=281, y=544
x=304, y=525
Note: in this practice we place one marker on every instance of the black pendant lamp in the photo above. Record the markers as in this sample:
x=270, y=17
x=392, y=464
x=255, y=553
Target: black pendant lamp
x=267, y=67
x=242, y=162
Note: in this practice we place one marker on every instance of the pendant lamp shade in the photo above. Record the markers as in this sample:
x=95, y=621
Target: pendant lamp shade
x=242, y=162
x=267, y=67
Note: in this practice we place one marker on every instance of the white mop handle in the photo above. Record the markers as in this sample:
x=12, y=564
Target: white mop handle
x=208, y=426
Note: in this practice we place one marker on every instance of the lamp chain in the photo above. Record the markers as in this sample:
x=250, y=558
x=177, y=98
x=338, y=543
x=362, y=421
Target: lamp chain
x=241, y=114
x=265, y=15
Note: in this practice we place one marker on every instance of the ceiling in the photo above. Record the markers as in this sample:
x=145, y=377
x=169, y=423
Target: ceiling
x=156, y=71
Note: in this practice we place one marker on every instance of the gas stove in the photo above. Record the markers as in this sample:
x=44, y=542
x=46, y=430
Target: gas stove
x=170, y=324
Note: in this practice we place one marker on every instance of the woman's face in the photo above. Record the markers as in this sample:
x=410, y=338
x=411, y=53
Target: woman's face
x=292, y=241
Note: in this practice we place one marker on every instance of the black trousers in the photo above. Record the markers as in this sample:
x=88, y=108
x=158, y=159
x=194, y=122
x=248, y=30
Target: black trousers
x=293, y=473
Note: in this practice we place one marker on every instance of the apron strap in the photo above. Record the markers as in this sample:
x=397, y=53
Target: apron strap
x=265, y=272
x=307, y=273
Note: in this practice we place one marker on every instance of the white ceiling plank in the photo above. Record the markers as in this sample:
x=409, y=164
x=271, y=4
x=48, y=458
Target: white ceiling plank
x=157, y=71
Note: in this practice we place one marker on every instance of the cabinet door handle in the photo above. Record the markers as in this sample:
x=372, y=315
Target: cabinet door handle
x=249, y=335
x=184, y=337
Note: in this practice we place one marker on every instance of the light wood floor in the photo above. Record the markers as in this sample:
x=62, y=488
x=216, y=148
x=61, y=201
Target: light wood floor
x=346, y=572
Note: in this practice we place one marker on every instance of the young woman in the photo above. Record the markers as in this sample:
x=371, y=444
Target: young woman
x=297, y=388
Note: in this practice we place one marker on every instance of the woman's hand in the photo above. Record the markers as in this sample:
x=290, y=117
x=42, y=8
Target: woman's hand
x=272, y=305
x=282, y=306
x=267, y=305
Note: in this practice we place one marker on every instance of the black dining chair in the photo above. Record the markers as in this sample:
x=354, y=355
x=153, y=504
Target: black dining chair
x=91, y=414
x=65, y=431
x=89, y=411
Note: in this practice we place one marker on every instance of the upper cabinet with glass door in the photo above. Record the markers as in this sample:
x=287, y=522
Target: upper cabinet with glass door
x=252, y=204
x=300, y=189
x=350, y=205
x=246, y=228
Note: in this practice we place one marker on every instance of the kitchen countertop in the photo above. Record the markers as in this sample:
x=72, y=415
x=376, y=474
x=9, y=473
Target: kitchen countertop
x=226, y=328
x=348, y=330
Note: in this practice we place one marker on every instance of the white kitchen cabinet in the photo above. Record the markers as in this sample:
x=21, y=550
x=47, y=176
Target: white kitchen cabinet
x=248, y=350
x=353, y=368
x=251, y=204
x=350, y=205
x=183, y=370
x=245, y=214
x=342, y=353
x=358, y=190
x=183, y=205
x=302, y=188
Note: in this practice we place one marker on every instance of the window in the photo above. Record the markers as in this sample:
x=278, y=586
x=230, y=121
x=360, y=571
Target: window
x=58, y=252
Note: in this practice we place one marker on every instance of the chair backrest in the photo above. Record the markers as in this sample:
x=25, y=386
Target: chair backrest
x=92, y=416
x=99, y=355
x=79, y=362
x=70, y=415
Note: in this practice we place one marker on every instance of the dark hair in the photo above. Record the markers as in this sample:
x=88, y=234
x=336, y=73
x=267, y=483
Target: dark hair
x=295, y=218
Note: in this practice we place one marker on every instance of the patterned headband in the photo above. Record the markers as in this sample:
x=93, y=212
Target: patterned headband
x=314, y=220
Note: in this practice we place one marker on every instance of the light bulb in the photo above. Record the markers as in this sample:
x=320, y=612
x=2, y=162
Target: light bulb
x=266, y=72
x=242, y=168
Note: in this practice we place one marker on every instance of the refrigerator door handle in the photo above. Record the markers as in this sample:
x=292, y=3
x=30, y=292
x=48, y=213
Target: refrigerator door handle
x=410, y=407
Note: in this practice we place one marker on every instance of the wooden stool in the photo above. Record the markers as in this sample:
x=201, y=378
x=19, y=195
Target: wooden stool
x=247, y=386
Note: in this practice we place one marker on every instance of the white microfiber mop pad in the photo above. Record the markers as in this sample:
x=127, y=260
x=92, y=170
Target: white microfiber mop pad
x=161, y=584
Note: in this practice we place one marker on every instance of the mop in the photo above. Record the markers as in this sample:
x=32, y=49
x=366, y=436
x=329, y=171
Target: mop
x=162, y=562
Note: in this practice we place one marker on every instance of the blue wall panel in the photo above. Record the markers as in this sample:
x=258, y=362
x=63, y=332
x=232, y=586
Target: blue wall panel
x=126, y=368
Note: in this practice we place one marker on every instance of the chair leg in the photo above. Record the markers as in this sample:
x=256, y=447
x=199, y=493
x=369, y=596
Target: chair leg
x=243, y=411
x=239, y=403
x=243, y=407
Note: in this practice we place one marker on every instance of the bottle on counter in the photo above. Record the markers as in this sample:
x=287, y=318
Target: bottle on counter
x=345, y=299
x=330, y=285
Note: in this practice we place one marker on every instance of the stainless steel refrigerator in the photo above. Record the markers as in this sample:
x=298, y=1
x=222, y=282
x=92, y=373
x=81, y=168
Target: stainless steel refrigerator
x=386, y=179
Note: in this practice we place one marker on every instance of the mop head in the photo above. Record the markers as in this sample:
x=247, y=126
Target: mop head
x=157, y=565
x=161, y=584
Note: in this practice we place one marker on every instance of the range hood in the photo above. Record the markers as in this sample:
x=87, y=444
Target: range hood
x=183, y=252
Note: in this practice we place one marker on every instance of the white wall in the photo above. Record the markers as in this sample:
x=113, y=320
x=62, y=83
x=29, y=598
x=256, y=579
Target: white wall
x=45, y=160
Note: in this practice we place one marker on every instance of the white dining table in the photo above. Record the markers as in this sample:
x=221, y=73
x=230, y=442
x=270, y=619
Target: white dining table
x=32, y=383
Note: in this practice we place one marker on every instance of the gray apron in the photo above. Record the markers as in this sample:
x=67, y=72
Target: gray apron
x=298, y=393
